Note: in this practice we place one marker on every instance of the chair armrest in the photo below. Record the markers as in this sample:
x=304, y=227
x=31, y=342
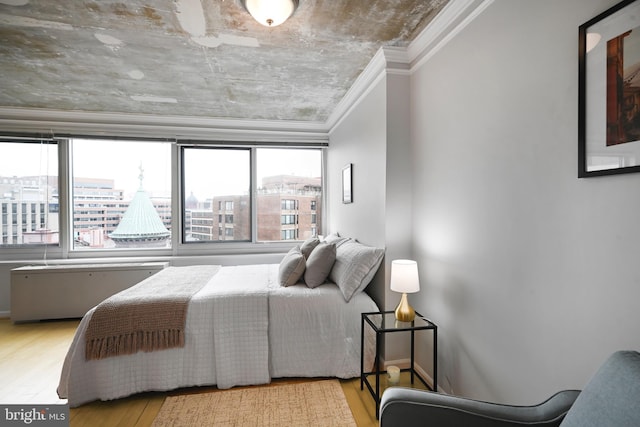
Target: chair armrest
x=410, y=407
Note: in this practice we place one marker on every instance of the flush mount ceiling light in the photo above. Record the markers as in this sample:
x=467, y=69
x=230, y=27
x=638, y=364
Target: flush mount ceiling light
x=270, y=12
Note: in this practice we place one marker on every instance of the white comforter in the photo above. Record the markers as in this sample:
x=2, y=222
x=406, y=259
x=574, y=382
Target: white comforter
x=242, y=328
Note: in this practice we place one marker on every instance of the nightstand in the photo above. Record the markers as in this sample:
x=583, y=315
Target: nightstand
x=383, y=323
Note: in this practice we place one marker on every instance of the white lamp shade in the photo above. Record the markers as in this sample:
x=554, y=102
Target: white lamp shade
x=404, y=276
x=270, y=12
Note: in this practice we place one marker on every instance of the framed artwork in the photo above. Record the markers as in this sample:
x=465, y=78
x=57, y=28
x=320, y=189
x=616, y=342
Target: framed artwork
x=609, y=92
x=347, y=189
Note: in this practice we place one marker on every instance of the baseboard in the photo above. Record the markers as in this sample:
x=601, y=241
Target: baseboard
x=5, y=314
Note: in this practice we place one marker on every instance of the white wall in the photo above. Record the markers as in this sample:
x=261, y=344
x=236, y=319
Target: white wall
x=360, y=139
x=531, y=273
x=375, y=137
x=398, y=201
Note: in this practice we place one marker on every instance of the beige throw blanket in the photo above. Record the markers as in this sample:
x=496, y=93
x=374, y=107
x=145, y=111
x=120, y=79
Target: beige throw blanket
x=148, y=316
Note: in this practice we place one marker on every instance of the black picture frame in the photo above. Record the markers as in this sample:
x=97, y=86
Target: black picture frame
x=347, y=187
x=608, y=108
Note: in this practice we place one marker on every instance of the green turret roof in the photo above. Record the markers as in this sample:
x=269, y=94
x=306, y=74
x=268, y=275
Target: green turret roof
x=141, y=221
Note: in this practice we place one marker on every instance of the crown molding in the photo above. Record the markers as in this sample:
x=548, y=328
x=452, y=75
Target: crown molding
x=452, y=19
x=51, y=123
x=387, y=60
x=396, y=57
x=363, y=84
x=395, y=60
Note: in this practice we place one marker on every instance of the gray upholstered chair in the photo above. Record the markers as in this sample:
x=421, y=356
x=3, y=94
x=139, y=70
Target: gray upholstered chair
x=610, y=399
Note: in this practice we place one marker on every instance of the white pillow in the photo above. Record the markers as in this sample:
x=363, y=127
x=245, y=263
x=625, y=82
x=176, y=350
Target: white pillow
x=319, y=264
x=291, y=267
x=355, y=266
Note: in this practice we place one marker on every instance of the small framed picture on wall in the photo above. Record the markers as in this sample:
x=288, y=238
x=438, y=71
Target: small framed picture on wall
x=347, y=188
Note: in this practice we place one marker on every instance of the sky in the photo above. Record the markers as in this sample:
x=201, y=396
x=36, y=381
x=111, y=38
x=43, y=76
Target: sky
x=18, y=159
x=121, y=161
x=205, y=175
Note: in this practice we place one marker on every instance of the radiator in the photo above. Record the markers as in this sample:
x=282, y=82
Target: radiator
x=69, y=291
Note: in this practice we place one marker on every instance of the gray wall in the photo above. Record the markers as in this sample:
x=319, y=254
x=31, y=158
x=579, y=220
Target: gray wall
x=375, y=137
x=531, y=273
x=360, y=139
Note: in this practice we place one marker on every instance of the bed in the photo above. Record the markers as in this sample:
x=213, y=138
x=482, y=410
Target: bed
x=246, y=325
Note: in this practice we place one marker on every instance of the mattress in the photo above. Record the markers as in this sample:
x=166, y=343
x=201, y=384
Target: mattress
x=242, y=328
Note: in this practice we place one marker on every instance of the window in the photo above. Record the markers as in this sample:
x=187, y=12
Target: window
x=289, y=219
x=121, y=194
x=289, y=205
x=237, y=193
x=286, y=180
x=29, y=193
x=289, y=235
x=289, y=183
x=219, y=177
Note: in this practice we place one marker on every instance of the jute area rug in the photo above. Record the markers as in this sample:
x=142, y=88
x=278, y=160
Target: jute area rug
x=316, y=404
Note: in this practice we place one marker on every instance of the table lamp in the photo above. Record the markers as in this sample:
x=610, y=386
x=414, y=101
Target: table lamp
x=404, y=278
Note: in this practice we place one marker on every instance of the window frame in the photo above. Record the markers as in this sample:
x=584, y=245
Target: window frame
x=65, y=249
x=223, y=205
x=254, y=245
x=70, y=250
x=18, y=250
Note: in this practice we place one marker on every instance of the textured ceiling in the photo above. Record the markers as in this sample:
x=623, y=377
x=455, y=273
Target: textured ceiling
x=195, y=58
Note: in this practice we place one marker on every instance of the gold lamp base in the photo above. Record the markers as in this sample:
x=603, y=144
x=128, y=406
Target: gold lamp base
x=404, y=312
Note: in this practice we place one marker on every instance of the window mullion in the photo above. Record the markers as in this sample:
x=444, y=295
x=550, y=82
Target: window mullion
x=177, y=201
x=254, y=195
x=65, y=195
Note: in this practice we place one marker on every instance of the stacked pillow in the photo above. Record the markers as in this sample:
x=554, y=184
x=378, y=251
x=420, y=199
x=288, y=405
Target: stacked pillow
x=355, y=266
x=346, y=262
x=308, y=246
x=291, y=267
x=319, y=264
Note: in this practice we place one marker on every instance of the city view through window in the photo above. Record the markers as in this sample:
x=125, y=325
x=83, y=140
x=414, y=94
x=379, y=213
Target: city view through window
x=218, y=207
x=122, y=194
x=29, y=193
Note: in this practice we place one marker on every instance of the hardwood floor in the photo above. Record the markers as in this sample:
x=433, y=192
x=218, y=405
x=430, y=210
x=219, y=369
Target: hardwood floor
x=31, y=357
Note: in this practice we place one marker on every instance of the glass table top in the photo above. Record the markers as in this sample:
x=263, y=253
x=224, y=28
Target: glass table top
x=386, y=322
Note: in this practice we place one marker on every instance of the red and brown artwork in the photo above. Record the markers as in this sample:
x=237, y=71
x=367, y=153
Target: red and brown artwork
x=623, y=88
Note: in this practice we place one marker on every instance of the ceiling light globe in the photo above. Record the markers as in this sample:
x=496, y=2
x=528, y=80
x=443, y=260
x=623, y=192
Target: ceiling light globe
x=270, y=13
